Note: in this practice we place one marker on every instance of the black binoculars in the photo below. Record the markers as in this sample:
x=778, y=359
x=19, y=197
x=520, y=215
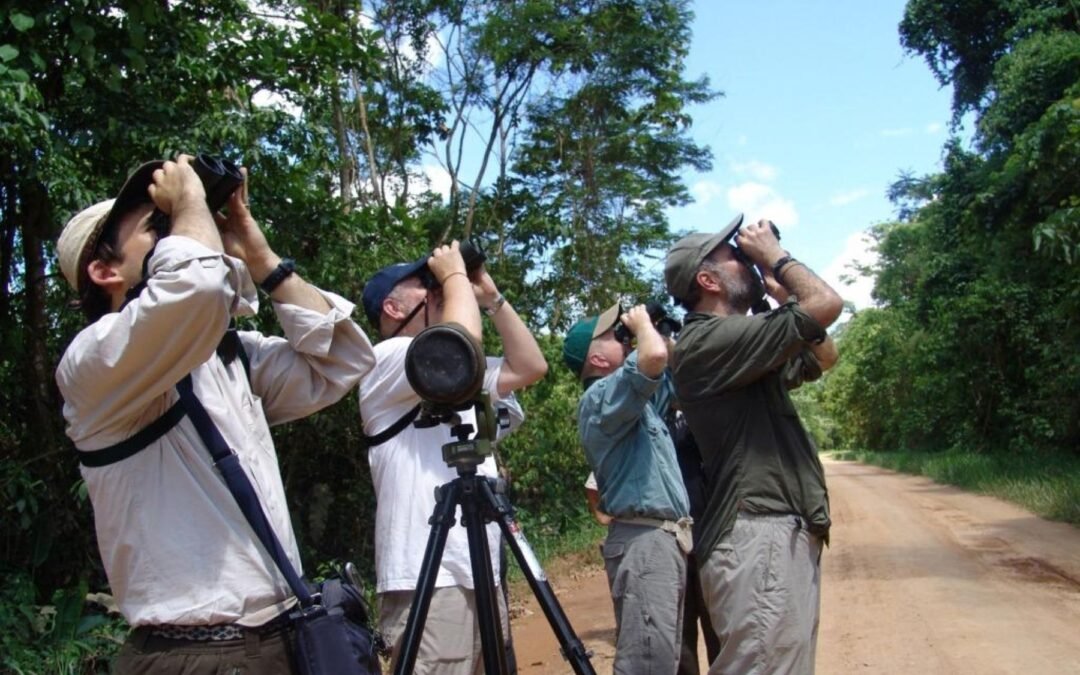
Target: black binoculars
x=742, y=257
x=219, y=177
x=665, y=325
x=471, y=253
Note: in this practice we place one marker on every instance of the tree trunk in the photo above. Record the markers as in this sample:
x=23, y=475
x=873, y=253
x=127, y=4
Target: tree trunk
x=39, y=367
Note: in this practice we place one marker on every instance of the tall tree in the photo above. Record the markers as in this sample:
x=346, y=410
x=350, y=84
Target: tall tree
x=981, y=275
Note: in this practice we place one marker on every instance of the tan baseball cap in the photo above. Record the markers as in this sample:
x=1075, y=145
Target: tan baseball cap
x=82, y=232
x=684, y=258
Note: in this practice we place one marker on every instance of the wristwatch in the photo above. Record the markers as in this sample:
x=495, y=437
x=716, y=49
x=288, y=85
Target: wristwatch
x=282, y=272
x=495, y=306
x=779, y=266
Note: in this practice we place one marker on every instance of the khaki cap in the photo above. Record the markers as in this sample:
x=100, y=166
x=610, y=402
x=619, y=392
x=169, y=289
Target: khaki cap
x=81, y=234
x=685, y=257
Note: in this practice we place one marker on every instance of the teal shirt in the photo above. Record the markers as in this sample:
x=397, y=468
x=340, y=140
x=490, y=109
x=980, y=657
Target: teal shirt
x=628, y=447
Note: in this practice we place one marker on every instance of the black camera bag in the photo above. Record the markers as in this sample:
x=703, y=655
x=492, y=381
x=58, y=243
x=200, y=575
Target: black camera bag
x=332, y=635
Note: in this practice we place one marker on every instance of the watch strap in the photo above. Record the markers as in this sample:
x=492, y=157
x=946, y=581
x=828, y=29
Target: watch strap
x=778, y=267
x=495, y=306
x=282, y=272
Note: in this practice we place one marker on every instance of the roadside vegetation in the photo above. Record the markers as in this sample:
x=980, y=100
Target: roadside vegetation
x=1047, y=485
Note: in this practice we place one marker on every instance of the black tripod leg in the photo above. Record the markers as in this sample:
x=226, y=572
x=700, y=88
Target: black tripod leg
x=573, y=649
x=487, y=608
x=446, y=501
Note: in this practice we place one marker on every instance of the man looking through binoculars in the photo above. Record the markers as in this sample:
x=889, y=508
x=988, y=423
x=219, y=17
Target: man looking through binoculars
x=160, y=277
x=628, y=447
x=406, y=462
x=767, y=511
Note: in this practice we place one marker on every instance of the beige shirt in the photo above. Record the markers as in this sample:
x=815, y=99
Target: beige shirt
x=174, y=543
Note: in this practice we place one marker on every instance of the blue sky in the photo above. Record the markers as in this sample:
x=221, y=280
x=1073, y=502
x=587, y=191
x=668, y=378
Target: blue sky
x=821, y=112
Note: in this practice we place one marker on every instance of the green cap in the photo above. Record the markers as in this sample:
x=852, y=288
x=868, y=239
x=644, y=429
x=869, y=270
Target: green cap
x=684, y=258
x=581, y=334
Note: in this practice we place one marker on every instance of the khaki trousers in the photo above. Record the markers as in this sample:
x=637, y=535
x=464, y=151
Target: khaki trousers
x=646, y=573
x=450, y=643
x=762, y=586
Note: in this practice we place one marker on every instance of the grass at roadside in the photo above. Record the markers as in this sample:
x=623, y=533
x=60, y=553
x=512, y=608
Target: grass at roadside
x=578, y=542
x=1047, y=485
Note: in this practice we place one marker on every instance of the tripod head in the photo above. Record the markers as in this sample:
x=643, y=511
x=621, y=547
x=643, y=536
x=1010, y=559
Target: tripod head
x=467, y=453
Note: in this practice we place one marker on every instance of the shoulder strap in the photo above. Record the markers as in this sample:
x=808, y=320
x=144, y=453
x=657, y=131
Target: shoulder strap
x=231, y=346
x=228, y=463
x=129, y=446
x=394, y=429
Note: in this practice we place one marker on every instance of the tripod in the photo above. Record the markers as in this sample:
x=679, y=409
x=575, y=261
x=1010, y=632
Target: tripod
x=482, y=500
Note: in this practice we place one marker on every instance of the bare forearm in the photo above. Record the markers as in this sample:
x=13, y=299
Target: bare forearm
x=652, y=353
x=524, y=362
x=293, y=290
x=192, y=219
x=459, y=304
x=816, y=297
x=826, y=353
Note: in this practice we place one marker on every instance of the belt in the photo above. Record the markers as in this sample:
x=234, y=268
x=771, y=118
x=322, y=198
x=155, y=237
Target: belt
x=681, y=528
x=217, y=632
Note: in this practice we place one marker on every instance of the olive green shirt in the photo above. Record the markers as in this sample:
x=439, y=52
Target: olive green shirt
x=732, y=376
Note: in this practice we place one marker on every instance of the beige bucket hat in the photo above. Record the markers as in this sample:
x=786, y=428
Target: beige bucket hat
x=81, y=234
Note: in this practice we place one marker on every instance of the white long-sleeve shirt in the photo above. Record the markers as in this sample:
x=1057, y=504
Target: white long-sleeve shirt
x=175, y=546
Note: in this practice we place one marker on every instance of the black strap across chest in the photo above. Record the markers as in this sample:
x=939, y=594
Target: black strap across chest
x=394, y=429
x=229, y=348
x=140, y=441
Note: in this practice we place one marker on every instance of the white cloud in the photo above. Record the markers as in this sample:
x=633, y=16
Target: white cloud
x=704, y=191
x=858, y=249
x=845, y=198
x=934, y=128
x=439, y=179
x=269, y=99
x=755, y=169
x=758, y=200
x=903, y=131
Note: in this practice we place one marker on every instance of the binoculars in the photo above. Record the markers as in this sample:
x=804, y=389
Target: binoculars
x=665, y=325
x=219, y=177
x=471, y=253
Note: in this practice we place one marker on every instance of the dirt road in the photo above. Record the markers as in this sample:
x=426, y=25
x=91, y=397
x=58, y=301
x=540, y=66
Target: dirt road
x=921, y=578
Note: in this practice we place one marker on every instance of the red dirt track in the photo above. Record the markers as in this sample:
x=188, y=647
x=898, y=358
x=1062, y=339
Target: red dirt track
x=920, y=578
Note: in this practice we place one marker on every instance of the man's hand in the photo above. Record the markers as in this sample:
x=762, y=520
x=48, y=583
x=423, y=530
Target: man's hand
x=242, y=236
x=484, y=287
x=773, y=287
x=177, y=191
x=445, y=261
x=637, y=319
x=176, y=186
x=459, y=303
x=759, y=243
x=651, y=347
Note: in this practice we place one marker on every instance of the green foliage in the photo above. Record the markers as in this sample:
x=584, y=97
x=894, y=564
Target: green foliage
x=1046, y=483
x=963, y=40
x=544, y=455
x=974, y=345
x=56, y=637
x=815, y=417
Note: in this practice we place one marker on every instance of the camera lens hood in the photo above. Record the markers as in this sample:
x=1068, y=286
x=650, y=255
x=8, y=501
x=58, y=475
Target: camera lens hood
x=445, y=365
